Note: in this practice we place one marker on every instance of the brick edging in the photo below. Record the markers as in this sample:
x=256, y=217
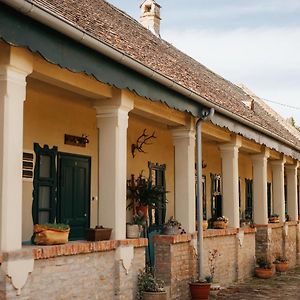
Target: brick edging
x=83, y=247
x=183, y=238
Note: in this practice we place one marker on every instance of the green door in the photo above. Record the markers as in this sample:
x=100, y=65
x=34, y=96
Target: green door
x=74, y=173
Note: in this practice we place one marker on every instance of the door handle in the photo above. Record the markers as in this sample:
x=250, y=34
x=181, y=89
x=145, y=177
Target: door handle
x=85, y=215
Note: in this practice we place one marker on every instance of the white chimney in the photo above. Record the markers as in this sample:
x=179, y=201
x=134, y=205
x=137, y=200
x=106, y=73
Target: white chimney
x=150, y=16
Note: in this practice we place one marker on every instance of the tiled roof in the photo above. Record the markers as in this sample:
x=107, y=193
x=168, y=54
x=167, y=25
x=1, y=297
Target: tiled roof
x=114, y=27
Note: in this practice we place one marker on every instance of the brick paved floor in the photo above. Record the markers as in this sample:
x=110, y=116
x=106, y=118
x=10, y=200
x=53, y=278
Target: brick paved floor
x=284, y=287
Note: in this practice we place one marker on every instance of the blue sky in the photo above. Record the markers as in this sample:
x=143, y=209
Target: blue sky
x=255, y=42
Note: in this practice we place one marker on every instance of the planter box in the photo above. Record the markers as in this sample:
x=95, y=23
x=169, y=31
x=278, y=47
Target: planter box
x=49, y=236
x=98, y=234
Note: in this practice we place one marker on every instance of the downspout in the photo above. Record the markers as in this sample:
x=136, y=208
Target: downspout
x=69, y=29
x=205, y=117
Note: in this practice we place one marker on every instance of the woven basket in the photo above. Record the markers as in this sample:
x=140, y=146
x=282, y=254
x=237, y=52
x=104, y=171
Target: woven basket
x=51, y=237
x=220, y=225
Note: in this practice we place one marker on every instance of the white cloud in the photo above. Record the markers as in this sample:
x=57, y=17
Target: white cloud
x=265, y=59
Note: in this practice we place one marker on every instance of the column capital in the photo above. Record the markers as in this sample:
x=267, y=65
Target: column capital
x=279, y=162
x=263, y=156
x=121, y=101
x=182, y=133
x=234, y=145
x=292, y=168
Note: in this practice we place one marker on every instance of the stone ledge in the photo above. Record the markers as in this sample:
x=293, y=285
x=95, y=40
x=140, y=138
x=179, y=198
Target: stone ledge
x=183, y=238
x=227, y=232
x=277, y=225
x=82, y=247
x=173, y=239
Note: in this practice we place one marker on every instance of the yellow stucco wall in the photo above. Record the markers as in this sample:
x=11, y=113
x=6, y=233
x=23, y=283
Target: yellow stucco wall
x=160, y=151
x=49, y=113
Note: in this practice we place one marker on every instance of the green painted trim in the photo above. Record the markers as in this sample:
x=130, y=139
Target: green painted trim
x=20, y=30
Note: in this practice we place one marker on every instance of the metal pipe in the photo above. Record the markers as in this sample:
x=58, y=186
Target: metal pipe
x=199, y=191
x=44, y=16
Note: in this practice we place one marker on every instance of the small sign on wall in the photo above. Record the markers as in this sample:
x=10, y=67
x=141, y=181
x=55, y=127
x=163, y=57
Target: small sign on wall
x=79, y=141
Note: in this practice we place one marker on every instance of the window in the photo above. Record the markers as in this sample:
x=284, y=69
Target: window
x=216, y=195
x=249, y=199
x=157, y=175
x=269, y=196
x=44, y=183
x=28, y=165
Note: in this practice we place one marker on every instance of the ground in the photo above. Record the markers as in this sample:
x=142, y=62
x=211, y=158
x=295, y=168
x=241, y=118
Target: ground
x=280, y=286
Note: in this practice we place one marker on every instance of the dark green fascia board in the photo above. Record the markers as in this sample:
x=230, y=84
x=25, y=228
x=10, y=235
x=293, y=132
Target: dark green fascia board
x=20, y=30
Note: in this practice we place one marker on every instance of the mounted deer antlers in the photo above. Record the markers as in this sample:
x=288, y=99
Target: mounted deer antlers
x=141, y=141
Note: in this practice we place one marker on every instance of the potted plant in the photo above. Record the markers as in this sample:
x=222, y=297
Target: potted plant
x=171, y=227
x=200, y=288
x=50, y=234
x=264, y=269
x=149, y=287
x=145, y=196
x=134, y=229
x=99, y=233
x=220, y=223
x=281, y=264
x=274, y=218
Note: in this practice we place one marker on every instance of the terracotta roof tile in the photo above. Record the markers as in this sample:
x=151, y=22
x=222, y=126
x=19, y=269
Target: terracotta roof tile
x=114, y=27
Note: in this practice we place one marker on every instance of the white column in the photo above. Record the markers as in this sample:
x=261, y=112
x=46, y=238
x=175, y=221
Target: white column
x=112, y=121
x=230, y=182
x=278, y=188
x=292, y=201
x=184, y=142
x=260, y=184
x=12, y=95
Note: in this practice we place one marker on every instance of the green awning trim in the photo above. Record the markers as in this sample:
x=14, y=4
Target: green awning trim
x=20, y=30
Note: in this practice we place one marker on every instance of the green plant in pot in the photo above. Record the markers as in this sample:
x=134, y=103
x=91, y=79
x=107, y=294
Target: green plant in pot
x=200, y=288
x=171, y=227
x=149, y=287
x=264, y=268
x=134, y=228
x=50, y=234
x=145, y=196
x=281, y=264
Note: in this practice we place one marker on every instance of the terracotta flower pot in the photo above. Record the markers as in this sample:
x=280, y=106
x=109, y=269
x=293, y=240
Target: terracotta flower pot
x=205, y=224
x=282, y=267
x=199, y=290
x=263, y=273
x=154, y=296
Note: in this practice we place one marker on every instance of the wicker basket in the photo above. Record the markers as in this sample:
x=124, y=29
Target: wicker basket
x=51, y=236
x=220, y=224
